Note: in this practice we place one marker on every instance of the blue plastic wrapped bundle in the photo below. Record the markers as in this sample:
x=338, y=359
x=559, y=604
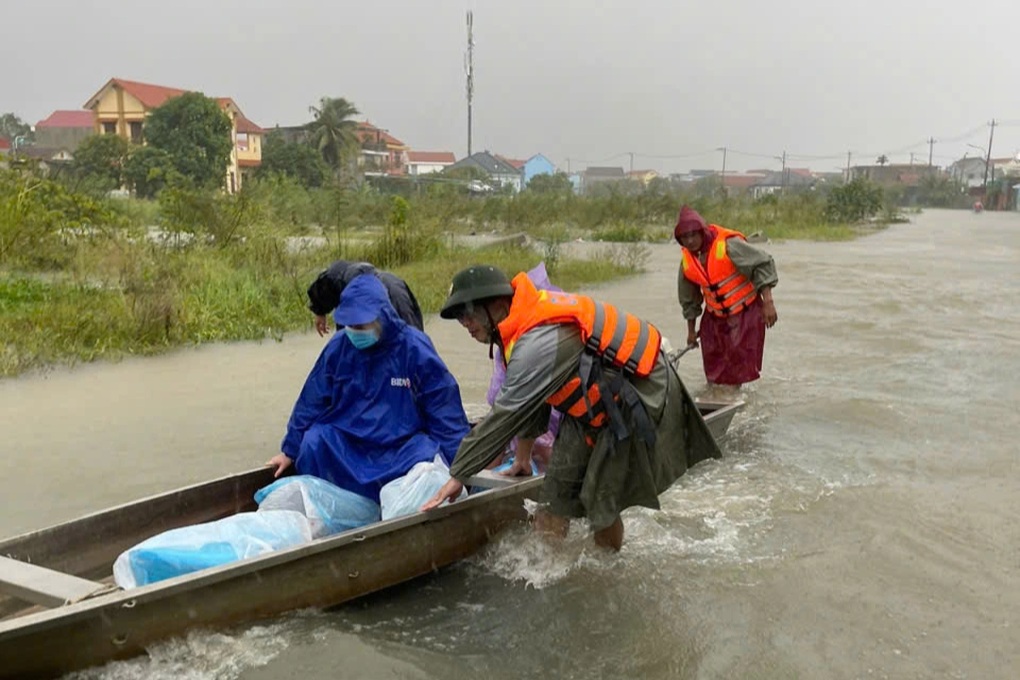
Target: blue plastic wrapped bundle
x=189, y=549
x=329, y=508
x=292, y=511
x=509, y=464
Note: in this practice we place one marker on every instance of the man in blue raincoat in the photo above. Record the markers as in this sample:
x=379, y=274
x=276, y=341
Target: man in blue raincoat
x=378, y=400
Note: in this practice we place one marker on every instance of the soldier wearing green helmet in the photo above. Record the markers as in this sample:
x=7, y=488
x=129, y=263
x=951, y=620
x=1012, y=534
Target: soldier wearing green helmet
x=629, y=427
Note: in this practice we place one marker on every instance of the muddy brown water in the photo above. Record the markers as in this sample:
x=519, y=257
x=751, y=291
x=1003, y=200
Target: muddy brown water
x=862, y=524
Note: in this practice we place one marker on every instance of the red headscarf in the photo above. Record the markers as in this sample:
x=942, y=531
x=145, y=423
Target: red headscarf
x=690, y=221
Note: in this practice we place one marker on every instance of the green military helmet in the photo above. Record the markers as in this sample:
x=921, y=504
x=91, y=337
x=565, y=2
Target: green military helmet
x=479, y=282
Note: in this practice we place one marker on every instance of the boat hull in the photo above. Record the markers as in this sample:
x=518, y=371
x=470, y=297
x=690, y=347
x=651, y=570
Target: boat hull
x=326, y=572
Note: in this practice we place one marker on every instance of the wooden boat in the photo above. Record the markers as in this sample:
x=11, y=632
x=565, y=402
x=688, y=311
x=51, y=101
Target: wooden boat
x=60, y=611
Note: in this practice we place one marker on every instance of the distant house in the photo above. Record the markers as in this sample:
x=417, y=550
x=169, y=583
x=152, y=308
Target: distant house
x=65, y=129
x=1005, y=167
x=792, y=179
x=50, y=158
x=120, y=107
x=681, y=177
x=894, y=174
x=515, y=162
x=497, y=170
x=428, y=162
x=740, y=182
x=593, y=176
x=536, y=165
x=381, y=152
x=246, y=155
x=643, y=176
x=292, y=134
x=968, y=171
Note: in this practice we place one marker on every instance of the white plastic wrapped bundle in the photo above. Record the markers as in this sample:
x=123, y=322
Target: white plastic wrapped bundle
x=405, y=495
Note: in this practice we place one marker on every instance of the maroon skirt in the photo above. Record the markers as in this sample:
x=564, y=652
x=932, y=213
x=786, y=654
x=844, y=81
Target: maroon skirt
x=732, y=346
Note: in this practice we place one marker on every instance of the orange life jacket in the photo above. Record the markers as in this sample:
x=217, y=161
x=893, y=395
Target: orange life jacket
x=616, y=337
x=726, y=291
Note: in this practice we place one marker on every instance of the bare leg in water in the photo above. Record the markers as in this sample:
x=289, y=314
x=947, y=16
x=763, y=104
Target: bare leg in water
x=555, y=527
x=550, y=525
x=611, y=537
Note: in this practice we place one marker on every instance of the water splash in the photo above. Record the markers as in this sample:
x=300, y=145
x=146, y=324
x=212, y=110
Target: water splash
x=201, y=655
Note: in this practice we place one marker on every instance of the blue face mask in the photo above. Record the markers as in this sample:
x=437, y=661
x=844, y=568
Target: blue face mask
x=362, y=339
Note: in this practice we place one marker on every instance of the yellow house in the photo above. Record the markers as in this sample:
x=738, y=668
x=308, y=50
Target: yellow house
x=120, y=108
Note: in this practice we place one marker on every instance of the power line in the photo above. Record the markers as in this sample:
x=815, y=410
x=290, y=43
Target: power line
x=675, y=156
x=913, y=147
x=963, y=136
x=752, y=155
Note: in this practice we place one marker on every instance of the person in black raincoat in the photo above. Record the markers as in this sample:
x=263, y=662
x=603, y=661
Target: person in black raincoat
x=324, y=293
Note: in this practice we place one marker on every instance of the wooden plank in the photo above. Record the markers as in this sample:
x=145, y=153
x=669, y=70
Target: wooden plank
x=40, y=585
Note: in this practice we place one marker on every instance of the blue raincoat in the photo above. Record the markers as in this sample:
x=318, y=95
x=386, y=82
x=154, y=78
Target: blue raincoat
x=365, y=417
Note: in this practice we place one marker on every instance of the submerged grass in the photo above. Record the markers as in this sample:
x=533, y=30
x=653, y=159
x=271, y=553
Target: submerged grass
x=152, y=299
x=85, y=278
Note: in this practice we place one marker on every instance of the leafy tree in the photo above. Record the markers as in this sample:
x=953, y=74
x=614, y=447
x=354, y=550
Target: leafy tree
x=558, y=183
x=854, y=201
x=11, y=126
x=33, y=213
x=148, y=169
x=882, y=160
x=332, y=132
x=101, y=158
x=195, y=134
x=941, y=191
x=708, y=186
x=660, y=186
x=293, y=159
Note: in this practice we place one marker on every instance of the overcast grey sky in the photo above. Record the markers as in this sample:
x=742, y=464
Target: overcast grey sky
x=574, y=79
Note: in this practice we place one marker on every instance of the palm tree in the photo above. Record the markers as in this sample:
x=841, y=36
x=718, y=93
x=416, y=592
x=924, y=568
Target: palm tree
x=882, y=160
x=333, y=132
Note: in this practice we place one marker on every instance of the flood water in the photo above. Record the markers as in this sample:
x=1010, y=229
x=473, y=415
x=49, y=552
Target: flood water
x=861, y=524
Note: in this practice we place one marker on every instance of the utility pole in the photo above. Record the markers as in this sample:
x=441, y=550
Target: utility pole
x=723, y=175
x=631, y=154
x=848, y=153
x=470, y=69
x=988, y=158
x=568, y=166
x=782, y=187
x=911, y=158
x=931, y=149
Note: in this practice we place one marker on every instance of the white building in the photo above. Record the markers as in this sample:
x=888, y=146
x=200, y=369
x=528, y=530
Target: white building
x=428, y=162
